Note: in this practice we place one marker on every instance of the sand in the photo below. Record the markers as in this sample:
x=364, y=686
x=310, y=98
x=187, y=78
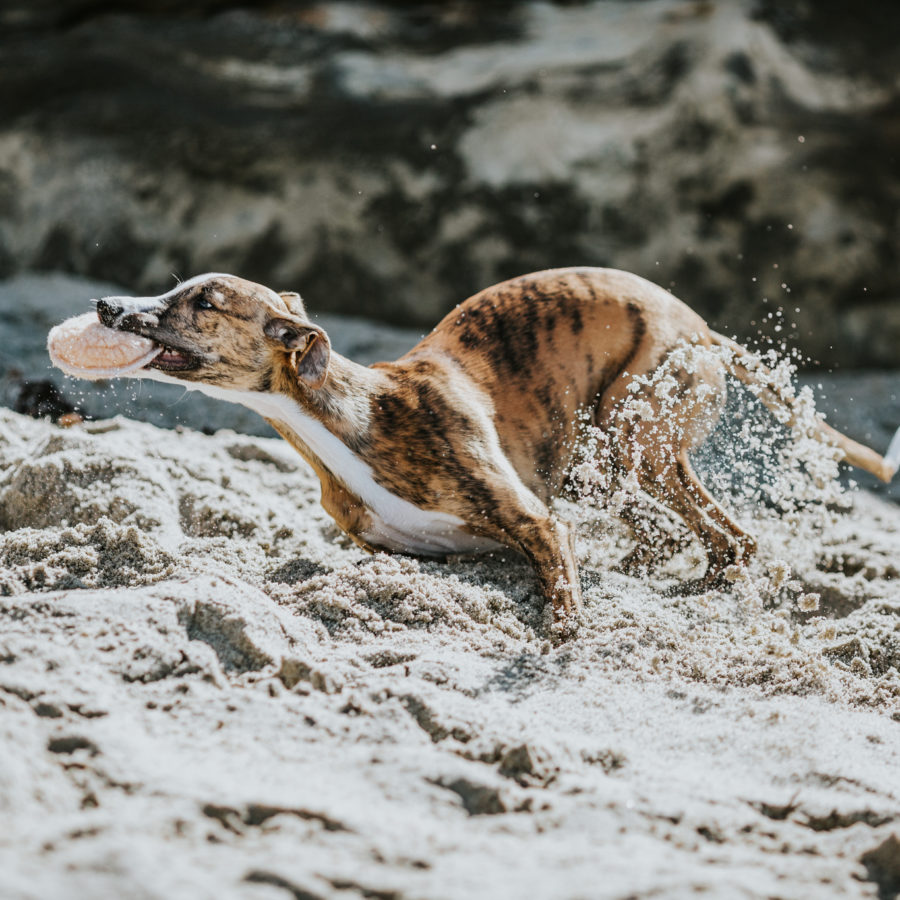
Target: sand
x=207, y=691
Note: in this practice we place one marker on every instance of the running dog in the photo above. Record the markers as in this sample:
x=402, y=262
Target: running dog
x=461, y=444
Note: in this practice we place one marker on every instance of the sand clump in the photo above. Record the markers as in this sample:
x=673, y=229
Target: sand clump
x=205, y=689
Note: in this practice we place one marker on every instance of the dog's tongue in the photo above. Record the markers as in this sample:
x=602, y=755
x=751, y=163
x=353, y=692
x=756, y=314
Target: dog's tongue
x=85, y=348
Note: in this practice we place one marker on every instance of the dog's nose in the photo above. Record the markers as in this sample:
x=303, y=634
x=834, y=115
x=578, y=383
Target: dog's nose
x=108, y=311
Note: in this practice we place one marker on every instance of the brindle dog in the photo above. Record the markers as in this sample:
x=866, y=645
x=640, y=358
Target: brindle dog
x=461, y=444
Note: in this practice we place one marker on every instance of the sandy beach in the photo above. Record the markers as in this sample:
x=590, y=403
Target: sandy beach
x=207, y=691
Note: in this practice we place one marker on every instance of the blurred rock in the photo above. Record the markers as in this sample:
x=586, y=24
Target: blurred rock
x=41, y=399
x=883, y=866
x=389, y=159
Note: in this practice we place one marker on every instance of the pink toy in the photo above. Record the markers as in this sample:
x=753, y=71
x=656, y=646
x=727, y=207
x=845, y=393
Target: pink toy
x=84, y=348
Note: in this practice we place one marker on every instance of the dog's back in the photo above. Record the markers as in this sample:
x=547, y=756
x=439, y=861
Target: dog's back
x=545, y=345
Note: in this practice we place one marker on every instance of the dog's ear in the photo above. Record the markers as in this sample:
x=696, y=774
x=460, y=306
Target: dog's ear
x=293, y=301
x=308, y=346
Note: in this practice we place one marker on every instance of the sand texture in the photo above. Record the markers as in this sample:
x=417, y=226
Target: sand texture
x=206, y=691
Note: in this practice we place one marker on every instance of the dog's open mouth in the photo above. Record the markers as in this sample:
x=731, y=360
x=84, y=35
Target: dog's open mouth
x=171, y=360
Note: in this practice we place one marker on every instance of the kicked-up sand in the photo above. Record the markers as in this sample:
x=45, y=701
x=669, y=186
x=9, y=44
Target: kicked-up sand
x=207, y=691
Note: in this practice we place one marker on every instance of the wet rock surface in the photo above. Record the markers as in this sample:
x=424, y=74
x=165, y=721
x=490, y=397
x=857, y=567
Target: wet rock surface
x=390, y=161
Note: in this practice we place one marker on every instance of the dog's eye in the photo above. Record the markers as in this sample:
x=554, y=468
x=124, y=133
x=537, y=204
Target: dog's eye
x=202, y=303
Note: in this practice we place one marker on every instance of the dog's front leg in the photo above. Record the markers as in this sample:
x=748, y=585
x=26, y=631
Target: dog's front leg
x=550, y=546
x=521, y=520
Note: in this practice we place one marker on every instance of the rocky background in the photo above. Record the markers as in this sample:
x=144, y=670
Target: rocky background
x=387, y=160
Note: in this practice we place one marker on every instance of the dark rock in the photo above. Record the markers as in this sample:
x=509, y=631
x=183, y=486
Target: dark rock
x=477, y=799
x=393, y=160
x=42, y=399
x=71, y=743
x=883, y=867
x=528, y=765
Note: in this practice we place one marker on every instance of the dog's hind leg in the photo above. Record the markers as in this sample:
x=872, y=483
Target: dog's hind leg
x=655, y=541
x=652, y=441
x=675, y=484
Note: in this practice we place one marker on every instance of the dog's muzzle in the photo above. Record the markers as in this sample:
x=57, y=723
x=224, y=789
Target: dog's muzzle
x=114, y=315
x=108, y=311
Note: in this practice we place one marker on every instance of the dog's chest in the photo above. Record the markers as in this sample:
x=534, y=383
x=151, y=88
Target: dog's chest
x=424, y=532
x=393, y=523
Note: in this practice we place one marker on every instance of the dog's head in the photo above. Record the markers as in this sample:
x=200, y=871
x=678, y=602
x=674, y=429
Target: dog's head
x=225, y=331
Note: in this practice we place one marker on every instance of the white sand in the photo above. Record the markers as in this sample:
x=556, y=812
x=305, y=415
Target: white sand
x=206, y=691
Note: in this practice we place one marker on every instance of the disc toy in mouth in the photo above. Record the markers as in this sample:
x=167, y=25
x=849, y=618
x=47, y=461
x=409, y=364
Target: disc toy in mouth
x=85, y=348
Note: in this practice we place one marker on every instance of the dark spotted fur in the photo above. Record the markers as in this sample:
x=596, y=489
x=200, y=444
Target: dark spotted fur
x=479, y=420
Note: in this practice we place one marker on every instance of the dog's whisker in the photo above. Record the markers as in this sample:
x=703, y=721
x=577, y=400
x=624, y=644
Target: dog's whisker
x=178, y=400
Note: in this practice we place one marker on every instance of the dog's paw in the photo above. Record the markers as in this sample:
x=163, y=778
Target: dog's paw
x=566, y=627
x=634, y=565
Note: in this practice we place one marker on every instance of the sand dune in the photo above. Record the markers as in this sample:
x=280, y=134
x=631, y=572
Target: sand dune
x=206, y=691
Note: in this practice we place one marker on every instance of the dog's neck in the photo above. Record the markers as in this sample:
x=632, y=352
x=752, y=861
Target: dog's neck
x=343, y=403
x=329, y=425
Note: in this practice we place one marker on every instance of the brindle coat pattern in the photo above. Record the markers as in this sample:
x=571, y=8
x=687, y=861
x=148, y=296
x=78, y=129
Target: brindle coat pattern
x=479, y=420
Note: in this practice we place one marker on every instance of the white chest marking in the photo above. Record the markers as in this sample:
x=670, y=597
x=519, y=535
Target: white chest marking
x=397, y=524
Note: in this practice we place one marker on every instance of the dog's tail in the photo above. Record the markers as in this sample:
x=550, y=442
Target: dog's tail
x=750, y=371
